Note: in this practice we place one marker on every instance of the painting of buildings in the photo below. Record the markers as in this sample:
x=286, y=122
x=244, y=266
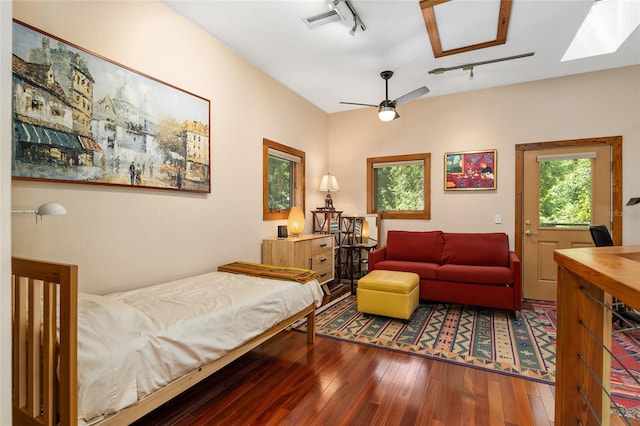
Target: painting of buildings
x=80, y=118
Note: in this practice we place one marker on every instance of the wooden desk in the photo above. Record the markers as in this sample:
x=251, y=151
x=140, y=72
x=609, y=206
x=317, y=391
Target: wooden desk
x=588, y=277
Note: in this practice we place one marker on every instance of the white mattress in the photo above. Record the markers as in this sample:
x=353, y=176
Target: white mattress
x=132, y=343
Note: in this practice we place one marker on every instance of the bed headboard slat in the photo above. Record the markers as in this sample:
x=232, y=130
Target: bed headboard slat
x=34, y=379
x=49, y=339
x=44, y=292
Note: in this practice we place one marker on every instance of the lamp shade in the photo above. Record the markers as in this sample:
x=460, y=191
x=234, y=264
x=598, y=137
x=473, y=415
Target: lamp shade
x=386, y=113
x=365, y=229
x=295, y=223
x=633, y=201
x=329, y=183
x=48, y=209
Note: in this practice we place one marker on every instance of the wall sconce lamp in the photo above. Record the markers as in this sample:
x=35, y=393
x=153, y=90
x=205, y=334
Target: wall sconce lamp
x=295, y=222
x=329, y=184
x=633, y=201
x=47, y=209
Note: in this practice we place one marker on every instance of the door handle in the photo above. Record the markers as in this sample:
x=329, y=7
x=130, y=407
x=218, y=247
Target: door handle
x=531, y=233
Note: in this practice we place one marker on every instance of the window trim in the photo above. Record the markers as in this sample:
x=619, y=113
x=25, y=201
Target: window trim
x=426, y=159
x=298, y=178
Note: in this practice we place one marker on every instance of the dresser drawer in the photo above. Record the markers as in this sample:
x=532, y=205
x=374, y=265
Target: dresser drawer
x=321, y=259
x=319, y=245
x=324, y=271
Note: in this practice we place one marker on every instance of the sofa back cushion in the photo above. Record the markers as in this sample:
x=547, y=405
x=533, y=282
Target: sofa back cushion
x=486, y=249
x=414, y=246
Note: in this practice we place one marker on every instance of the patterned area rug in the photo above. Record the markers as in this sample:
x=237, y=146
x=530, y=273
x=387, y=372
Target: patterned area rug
x=477, y=337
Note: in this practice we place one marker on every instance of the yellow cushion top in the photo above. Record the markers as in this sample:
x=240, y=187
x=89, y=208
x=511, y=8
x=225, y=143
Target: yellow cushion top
x=389, y=281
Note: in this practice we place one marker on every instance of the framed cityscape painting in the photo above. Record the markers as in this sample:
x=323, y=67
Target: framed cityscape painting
x=470, y=170
x=81, y=118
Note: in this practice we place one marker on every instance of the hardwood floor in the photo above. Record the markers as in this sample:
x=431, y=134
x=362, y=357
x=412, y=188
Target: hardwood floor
x=287, y=382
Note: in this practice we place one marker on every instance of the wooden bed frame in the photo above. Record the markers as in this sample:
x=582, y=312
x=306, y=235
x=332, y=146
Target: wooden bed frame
x=42, y=291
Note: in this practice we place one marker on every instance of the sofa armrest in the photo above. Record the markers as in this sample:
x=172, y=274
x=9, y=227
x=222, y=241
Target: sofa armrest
x=376, y=256
x=516, y=270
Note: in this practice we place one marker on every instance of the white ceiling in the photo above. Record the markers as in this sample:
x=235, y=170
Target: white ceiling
x=326, y=65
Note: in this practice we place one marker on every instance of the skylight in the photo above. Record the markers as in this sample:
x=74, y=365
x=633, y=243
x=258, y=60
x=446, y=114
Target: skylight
x=607, y=25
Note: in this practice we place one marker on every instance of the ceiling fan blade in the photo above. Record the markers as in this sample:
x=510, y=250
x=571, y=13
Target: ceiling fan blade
x=355, y=103
x=412, y=95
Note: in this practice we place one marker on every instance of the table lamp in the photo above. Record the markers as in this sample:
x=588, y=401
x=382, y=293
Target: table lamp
x=295, y=222
x=329, y=184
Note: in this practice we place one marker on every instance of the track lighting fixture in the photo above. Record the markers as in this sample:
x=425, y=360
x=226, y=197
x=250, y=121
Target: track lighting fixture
x=354, y=28
x=357, y=22
x=469, y=67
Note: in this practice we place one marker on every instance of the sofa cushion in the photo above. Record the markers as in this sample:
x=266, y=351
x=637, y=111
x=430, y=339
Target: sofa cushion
x=414, y=246
x=426, y=271
x=486, y=249
x=475, y=274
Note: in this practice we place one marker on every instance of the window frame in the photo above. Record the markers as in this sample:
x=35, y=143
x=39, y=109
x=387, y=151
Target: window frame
x=298, y=192
x=371, y=187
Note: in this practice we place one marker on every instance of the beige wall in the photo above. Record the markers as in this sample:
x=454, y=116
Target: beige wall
x=123, y=237
x=605, y=103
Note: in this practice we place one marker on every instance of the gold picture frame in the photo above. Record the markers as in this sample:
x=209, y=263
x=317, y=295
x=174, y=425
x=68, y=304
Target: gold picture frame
x=470, y=170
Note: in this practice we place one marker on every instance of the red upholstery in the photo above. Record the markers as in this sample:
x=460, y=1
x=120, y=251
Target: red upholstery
x=475, y=274
x=426, y=271
x=476, y=249
x=414, y=246
x=467, y=268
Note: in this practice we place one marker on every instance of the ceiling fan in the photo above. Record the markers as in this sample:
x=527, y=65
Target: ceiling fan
x=387, y=108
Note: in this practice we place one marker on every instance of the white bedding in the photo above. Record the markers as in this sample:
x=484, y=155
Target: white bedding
x=134, y=342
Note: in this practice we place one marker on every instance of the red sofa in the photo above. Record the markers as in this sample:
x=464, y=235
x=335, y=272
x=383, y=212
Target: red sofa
x=465, y=268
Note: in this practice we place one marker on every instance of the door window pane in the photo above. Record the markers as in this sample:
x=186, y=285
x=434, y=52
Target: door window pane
x=565, y=193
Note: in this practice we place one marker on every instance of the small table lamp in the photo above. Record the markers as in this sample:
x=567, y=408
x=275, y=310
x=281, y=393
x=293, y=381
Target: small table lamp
x=365, y=232
x=329, y=183
x=295, y=222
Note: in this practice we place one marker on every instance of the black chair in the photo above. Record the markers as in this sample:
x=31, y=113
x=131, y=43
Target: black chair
x=600, y=235
x=601, y=238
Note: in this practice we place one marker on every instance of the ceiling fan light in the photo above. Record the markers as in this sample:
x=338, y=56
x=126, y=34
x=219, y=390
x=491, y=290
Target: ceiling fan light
x=386, y=113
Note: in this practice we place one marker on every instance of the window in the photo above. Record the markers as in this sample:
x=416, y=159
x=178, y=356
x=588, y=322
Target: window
x=565, y=190
x=399, y=187
x=282, y=180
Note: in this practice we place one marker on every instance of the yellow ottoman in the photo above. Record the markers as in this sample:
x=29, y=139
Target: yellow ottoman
x=389, y=293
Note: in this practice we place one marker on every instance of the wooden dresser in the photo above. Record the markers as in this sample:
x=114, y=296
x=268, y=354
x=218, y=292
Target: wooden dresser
x=314, y=251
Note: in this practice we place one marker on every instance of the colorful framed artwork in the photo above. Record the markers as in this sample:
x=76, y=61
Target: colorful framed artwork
x=470, y=170
x=81, y=118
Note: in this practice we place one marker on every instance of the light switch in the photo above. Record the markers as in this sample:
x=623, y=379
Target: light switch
x=498, y=219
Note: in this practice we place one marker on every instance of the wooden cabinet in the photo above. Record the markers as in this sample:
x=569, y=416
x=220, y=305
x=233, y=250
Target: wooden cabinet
x=313, y=251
